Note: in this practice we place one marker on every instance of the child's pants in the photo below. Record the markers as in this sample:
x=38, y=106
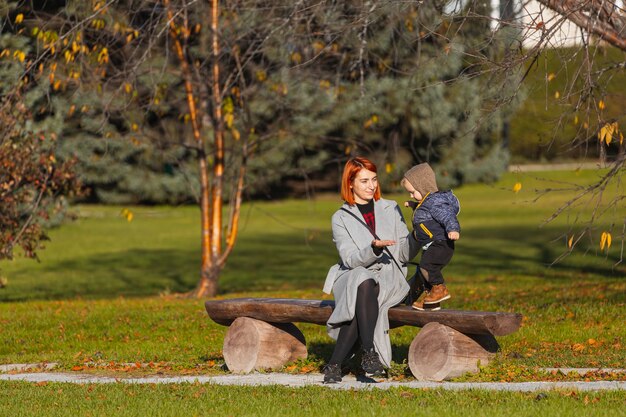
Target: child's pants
x=434, y=259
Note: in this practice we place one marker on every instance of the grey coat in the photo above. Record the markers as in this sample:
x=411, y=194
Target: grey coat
x=358, y=262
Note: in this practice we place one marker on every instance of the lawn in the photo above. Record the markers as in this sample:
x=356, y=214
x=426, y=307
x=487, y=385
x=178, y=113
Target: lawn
x=104, y=297
x=196, y=399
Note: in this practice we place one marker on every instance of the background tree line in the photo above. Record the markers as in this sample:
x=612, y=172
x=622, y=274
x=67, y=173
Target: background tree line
x=315, y=83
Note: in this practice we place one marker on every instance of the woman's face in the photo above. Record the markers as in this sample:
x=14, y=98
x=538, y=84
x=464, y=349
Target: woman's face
x=364, y=186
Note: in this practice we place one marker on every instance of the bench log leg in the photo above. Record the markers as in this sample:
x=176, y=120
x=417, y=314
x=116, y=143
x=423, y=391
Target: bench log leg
x=252, y=344
x=439, y=352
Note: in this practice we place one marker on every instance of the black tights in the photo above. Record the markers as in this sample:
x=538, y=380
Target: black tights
x=362, y=325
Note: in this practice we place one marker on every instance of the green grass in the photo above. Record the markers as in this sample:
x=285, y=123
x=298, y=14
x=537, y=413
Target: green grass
x=194, y=399
x=101, y=298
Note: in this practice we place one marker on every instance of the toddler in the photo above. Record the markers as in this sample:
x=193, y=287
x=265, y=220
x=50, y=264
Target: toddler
x=435, y=227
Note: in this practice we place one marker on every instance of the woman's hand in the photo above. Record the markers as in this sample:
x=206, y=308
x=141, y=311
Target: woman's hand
x=382, y=243
x=454, y=235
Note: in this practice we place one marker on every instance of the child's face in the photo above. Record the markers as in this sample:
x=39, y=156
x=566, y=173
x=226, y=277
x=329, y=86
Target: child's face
x=413, y=193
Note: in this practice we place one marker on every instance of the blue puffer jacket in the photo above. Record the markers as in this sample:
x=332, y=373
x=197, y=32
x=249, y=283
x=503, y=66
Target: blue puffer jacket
x=435, y=216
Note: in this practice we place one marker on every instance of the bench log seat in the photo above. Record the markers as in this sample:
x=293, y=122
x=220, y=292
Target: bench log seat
x=262, y=335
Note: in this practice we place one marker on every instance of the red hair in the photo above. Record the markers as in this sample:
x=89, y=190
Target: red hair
x=350, y=171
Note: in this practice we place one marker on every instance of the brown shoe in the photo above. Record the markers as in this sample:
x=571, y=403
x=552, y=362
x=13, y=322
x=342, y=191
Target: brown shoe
x=419, y=305
x=437, y=294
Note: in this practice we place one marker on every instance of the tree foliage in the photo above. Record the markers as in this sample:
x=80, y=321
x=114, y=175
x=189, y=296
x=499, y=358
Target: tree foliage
x=32, y=180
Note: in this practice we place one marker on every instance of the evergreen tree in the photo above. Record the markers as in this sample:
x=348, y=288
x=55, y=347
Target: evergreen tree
x=401, y=86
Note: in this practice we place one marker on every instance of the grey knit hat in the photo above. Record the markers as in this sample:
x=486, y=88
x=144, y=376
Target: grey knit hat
x=422, y=178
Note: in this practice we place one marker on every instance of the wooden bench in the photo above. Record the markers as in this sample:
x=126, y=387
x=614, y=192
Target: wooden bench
x=262, y=335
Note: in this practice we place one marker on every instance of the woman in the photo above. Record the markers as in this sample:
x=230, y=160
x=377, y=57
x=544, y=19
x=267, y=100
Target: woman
x=371, y=274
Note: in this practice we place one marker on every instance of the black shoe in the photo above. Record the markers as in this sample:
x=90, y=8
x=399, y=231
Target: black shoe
x=332, y=373
x=371, y=364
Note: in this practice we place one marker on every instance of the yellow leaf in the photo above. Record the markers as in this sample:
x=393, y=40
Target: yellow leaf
x=608, y=240
x=228, y=105
x=348, y=150
x=570, y=241
x=103, y=56
x=388, y=168
x=135, y=127
x=229, y=118
x=318, y=46
x=557, y=95
x=602, y=240
x=517, y=187
x=128, y=88
x=296, y=58
x=19, y=18
x=601, y=105
x=72, y=110
x=325, y=84
x=551, y=76
x=127, y=214
x=607, y=131
x=602, y=133
x=236, y=134
x=576, y=119
x=261, y=75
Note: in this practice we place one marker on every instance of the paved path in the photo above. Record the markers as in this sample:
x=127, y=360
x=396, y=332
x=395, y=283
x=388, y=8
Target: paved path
x=289, y=380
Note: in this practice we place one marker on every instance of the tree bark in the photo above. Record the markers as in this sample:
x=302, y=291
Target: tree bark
x=218, y=141
x=256, y=345
x=207, y=286
x=439, y=352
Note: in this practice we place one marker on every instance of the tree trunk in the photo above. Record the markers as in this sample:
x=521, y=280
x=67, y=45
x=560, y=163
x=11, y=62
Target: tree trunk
x=252, y=344
x=439, y=352
x=208, y=285
x=209, y=269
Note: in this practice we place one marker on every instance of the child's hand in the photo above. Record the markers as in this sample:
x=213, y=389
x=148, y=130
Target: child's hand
x=411, y=204
x=454, y=235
